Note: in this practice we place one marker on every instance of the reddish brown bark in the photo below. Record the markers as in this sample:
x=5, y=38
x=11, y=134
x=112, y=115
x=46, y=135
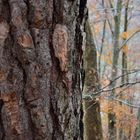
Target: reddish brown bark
x=40, y=95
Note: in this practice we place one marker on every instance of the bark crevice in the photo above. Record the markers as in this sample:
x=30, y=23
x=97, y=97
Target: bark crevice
x=2, y=131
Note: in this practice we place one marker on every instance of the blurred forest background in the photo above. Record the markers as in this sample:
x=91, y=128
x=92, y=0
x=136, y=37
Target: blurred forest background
x=115, y=25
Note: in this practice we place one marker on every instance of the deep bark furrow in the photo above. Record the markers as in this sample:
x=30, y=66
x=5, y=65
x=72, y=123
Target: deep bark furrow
x=2, y=131
x=34, y=67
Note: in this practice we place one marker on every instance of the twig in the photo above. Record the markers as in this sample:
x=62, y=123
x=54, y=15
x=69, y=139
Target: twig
x=124, y=43
x=124, y=102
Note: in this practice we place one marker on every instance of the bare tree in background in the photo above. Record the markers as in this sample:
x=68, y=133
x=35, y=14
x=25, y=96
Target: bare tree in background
x=92, y=118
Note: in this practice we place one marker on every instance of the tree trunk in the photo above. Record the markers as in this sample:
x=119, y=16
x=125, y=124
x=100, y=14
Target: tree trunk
x=137, y=131
x=111, y=114
x=92, y=118
x=40, y=62
x=100, y=70
x=124, y=79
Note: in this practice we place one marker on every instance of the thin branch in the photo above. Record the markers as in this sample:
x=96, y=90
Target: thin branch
x=125, y=102
x=101, y=48
x=95, y=38
x=116, y=99
x=111, y=5
x=110, y=26
x=98, y=93
x=125, y=42
x=131, y=72
x=120, y=86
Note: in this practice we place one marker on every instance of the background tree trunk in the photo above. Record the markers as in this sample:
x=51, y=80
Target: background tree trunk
x=40, y=62
x=124, y=79
x=137, y=131
x=92, y=118
x=111, y=114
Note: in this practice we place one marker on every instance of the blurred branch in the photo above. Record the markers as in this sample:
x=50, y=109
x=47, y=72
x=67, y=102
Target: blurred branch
x=93, y=94
x=125, y=42
x=111, y=5
x=110, y=26
x=120, y=86
x=131, y=72
x=124, y=102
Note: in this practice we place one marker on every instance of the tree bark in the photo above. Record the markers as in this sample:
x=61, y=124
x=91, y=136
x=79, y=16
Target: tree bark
x=92, y=118
x=40, y=61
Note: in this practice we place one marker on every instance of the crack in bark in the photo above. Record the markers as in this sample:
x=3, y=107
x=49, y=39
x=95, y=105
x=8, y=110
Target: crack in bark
x=56, y=126
x=23, y=95
x=2, y=131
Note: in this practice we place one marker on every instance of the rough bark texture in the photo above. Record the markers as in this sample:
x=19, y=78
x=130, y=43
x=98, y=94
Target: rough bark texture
x=92, y=118
x=40, y=62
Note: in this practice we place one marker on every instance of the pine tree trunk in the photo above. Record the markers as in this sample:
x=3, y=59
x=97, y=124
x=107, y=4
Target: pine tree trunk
x=40, y=62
